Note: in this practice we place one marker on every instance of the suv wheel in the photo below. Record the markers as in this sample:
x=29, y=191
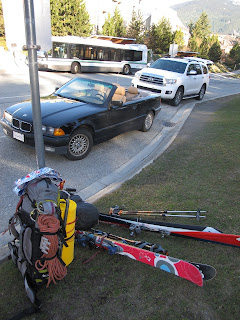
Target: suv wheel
x=178, y=97
x=201, y=92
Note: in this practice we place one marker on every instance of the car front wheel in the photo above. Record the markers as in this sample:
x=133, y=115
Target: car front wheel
x=178, y=97
x=80, y=144
x=201, y=92
x=148, y=122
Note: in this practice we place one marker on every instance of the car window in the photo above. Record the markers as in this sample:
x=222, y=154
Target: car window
x=205, y=69
x=198, y=68
x=195, y=67
x=170, y=65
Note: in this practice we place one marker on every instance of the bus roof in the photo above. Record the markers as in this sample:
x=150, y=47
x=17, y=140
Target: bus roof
x=92, y=40
x=114, y=39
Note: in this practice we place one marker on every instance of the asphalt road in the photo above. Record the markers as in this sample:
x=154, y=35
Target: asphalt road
x=107, y=158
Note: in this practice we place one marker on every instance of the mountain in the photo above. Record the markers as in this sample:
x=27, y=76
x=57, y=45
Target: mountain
x=224, y=15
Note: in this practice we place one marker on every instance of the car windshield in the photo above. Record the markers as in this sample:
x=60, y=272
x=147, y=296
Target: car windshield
x=85, y=90
x=169, y=65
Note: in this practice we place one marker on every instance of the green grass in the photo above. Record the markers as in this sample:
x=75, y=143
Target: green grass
x=201, y=171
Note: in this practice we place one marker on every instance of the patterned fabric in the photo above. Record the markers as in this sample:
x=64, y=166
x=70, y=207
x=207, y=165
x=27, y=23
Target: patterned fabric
x=21, y=184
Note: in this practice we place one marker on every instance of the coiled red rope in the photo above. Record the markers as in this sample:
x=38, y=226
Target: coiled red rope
x=56, y=270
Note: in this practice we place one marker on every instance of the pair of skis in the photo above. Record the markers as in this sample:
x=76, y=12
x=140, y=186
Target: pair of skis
x=145, y=253
x=190, y=231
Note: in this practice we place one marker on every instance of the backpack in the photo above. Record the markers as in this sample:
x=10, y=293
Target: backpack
x=43, y=227
x=44, y=238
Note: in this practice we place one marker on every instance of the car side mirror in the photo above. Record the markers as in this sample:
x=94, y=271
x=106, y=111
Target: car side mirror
x=192, y=73
x=117, y=103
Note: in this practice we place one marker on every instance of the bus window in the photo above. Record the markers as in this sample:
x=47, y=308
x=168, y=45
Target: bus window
x=59, y=50
x=128, y=55
x=103, y=54
x=115, y=55
x=137, y=55
x=132, y=55
x=90, y=53
x=76, y=51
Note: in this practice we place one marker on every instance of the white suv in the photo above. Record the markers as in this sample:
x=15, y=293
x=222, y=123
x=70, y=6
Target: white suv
x=174, y=79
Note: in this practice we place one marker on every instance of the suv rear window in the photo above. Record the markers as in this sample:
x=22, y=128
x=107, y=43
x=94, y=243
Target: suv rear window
x=169, y=65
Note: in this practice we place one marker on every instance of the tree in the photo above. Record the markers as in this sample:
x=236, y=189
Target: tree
x=178, y=38
x=215, y=52
x=152, y=39
x=70, y=17
x=2, y=28
x=200, y=40
x=136, y=27
x=114, y=25
x=202, y=27
x=164, y=36
x=235, y=53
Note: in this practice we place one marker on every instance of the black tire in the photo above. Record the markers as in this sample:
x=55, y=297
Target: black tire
x=75, y=68
x=201, y=92
x=126, y=69
x=148, y=121
x=80, y=144
x=178, y=97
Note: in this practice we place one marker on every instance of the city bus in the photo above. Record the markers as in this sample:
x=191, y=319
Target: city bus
x=94, y=54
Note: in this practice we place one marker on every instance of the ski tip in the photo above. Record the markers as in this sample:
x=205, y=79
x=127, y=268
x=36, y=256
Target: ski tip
x=208, y=272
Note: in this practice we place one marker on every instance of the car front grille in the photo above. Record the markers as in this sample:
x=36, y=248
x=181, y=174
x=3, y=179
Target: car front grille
x=149, y=89
x=21, y=125
x=152, y=79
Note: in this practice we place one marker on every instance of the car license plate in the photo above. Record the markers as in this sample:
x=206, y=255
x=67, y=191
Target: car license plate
x=18, y=136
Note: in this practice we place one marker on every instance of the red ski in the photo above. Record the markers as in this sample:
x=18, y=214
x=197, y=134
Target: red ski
x=193, y=272
x=190, y=231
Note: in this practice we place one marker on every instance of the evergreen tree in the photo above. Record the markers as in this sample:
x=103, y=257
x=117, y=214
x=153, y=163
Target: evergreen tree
x=235, y=53
x=200, y=40
x=202, y=27
x=2, y=28
x=204, y=48
x=215, y=52
x=164, y=35
x=178, y=38
x=151, y=40
x=70, y=17
x=114, y=25
x=136, y=27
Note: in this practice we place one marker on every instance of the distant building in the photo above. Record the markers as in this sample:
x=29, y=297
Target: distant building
x=227, y=41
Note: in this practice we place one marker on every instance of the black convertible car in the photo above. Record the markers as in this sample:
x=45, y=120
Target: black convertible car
x=83, y=112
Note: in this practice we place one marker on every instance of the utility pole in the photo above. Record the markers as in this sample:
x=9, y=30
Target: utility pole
x=32, y=48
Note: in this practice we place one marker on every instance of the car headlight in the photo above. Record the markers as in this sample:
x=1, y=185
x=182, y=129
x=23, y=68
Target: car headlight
x=7, y=116
x=170, y=81
x=138, y=75
x=53, y=131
